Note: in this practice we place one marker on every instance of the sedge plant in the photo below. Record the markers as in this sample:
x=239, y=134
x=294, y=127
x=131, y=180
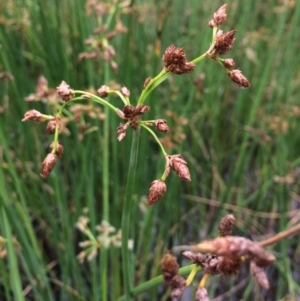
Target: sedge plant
x=131, y=113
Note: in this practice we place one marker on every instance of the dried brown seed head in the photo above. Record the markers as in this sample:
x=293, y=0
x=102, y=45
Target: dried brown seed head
x=259, y=275
x=59, y=149
x=180, y=167
x=224, y=43
x=64, y=91
x=175, y=61
x=197, y=258
x=125, y=92
x=156, y=191
x=169, y=266
x=201, y=294
x=103, y=91
x=48, y=165
x=226, y=225
x=121, y=130
x=161, y=125
x=220, y=15
x=35, y=116
x=52, y=125
x=238, y=78
x=228, y=63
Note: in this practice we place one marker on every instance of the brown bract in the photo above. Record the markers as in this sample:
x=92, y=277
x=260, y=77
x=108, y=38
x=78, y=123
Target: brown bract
x=64, y=91
x=180, y=167
x=48, y=165
x=175, y=61
x=238, y=78
x=156, y=191
x=224, y=43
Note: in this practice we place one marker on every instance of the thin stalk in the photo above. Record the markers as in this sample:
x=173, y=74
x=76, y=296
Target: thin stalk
x=155, y=137
x=105, y=190
x=127, y=276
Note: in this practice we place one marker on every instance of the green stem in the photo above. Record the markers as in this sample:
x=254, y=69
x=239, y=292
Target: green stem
x=155, y=137
x=94, y=98
x=162, y=76
x=127, y=275
x=105, y=191
x=157, y=80
x=199, y=58
x=154, y=282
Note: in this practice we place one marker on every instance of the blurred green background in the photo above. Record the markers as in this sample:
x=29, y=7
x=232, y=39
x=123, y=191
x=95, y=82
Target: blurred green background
x=242, y=146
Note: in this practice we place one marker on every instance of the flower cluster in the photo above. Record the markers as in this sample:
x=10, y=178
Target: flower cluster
x=222, y=44
x=225, y=256
x=175, y=62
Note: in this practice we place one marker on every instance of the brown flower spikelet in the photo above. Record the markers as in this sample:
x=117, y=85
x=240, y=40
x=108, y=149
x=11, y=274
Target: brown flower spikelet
x=226, y=225
x=48, y=165
x=228, y=63
x=34, y=115
x=103, y=91
x=175, y=61
x=259, y=275
x=169, y=266
x=121, y=130
x=161, y=125
x=156, y=191
x=64, y=91
x=224, y=43
x=220, y=15
x=125, y=92
x=201, y=294
x=238, y=78
x=180, y=167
